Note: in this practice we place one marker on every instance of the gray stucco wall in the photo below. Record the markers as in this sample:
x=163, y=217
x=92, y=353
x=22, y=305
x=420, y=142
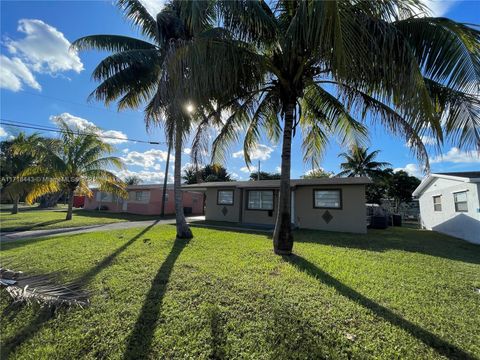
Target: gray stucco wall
x=213, y=211
x=259, y=216
x=463, y=225
x=351, y=218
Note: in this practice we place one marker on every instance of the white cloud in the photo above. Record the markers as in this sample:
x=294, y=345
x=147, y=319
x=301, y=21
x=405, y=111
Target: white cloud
x=43, y=49
x=261, y=152
x=278, y=169
x=153, y=6
x=187, y=151
x=245, y=169
x=234, y=176
x=148, y=177
x=426, y=140
x=125, y=151
x=455, y=155
x=119, y=136
x=3, y=132
x=146, y=159
x=412, y=170
x=110, y=136
x=439, y=8
x=14, y=74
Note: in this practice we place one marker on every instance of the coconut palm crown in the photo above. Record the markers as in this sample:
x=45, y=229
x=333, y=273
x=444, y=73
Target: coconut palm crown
x=359, y=162
x=77, y=159
x=137, y=73
x=330, y=68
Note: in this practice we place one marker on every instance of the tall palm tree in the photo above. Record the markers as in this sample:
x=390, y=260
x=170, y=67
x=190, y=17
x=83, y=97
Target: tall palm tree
x=359, y=162
x=13, y=163
x=316, y=64
x=137, y=72
x=70, y=164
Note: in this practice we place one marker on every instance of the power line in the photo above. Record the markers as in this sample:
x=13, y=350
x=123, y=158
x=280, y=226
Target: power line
x=74, y=103
x=26, y=125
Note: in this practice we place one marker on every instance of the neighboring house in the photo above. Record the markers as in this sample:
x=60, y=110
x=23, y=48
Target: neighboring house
x=145, y=200
x=450, y=204
x=334, y=204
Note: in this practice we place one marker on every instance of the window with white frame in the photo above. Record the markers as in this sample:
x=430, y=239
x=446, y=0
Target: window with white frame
x=437, y=203
x=104, y=196
x=327, y=199
x=142, y=196
x=260, y=200
x=460, y=199
x=225, y=197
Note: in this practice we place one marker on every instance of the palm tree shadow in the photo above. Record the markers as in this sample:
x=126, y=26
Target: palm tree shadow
x=435, y=342
x=140, y=339
x=47, y=313
x=32, y=226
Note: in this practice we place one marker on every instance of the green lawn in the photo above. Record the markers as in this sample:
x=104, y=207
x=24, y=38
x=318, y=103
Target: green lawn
x=34, y=219
x=398, y=293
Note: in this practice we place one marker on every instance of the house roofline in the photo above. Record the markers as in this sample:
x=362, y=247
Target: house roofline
x=429, y=179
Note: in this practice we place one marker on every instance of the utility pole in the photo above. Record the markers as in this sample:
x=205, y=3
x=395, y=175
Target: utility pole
x=164, y=195
x=258, y=170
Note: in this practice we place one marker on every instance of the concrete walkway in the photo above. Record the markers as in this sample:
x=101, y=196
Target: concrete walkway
x=20, y=235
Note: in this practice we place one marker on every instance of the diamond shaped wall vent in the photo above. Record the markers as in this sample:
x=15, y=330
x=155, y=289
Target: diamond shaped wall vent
x=224, y=211
x=327, y=217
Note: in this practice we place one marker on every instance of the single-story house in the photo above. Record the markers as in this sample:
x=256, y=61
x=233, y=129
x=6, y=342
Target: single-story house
x=450, y=204
x=334, y=204
x=145, y=200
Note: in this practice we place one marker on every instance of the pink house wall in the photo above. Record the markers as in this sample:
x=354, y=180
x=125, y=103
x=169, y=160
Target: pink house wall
x=191, y=199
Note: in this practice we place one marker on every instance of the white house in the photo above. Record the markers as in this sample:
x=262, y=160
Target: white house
x=450, y=204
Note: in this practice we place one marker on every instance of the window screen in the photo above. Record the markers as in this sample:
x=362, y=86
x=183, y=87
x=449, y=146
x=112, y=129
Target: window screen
x=260, y=200
x=460, y=199
x=225, y=197
x=437, y=203
x=331, y=199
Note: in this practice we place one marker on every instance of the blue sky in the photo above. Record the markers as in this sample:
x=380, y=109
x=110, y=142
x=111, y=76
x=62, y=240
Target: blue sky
x=40, y=79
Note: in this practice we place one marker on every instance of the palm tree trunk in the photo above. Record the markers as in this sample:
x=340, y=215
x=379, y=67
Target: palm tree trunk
x=15, y=204
x=70, y=205
x=282, y=236
x=183, y=230
x=164, y=195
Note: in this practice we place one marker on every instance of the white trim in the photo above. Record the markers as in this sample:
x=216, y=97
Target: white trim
x=459, y=191
x=425, y=182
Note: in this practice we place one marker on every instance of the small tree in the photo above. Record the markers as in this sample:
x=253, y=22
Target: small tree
x=132, y=180
x=377, y=191
x=401, y=187
x=70, y=164
x=13, y=163
x=209, y=173
x=264, y=176
x=317, y=174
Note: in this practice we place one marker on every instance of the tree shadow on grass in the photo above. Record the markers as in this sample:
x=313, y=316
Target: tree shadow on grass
x=47, y=313
x=409, y=240
x=140, y=339
x=428, y=338
x=35, y=226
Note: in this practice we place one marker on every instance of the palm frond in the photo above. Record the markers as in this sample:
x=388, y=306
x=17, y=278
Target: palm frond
x=45, y=289
x=112, y=43
x=139, y=16
x=448, y=52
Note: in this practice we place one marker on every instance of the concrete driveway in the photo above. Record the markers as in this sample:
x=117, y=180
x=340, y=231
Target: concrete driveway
x=35, y=234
